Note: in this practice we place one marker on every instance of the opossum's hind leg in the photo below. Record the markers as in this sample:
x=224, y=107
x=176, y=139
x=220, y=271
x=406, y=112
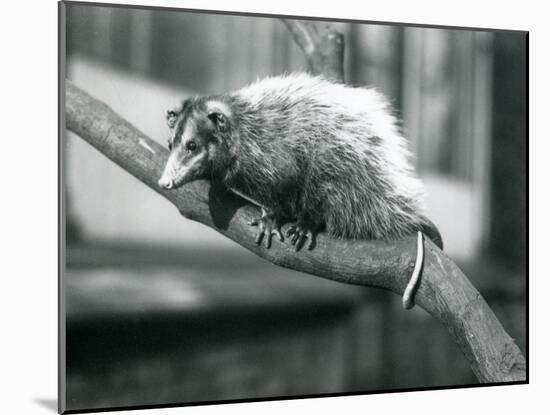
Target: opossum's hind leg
x=267, y=227
x=300, y=232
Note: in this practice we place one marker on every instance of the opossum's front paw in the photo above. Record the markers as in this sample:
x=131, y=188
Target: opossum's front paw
x=268, y=227
x=300, y=232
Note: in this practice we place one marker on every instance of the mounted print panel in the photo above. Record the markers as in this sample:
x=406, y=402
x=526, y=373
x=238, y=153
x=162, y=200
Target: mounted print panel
x=235, y=185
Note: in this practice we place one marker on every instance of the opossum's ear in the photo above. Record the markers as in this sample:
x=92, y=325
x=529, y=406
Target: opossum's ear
x=219, y=120
x=171, y=117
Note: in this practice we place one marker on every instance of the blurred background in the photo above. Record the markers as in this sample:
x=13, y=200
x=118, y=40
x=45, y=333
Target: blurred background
x=164, y=310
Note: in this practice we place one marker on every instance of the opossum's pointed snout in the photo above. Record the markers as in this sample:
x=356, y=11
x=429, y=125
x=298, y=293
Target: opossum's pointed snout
x=172, y=179
x=166, y=183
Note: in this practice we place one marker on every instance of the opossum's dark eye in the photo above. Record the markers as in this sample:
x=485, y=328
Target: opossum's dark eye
x=191, y=146
x=169, y=145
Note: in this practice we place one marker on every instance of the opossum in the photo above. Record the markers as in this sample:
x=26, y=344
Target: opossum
x=322, y=154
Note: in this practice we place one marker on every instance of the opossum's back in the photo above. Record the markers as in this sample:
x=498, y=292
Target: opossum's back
x=309, y=107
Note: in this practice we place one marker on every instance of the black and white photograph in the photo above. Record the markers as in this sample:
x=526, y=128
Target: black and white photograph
x=261, y=207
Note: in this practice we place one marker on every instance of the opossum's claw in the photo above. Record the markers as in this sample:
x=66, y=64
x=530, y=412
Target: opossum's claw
x=295, y=237
x=292, y=231
x=278, y=233
x=267, y=227
x=270, y=231
x=300, y=233
x=260, y=234
x=301, y=241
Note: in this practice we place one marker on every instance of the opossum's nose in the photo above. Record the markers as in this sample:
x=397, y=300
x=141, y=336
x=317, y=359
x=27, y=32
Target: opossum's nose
x=166, y=183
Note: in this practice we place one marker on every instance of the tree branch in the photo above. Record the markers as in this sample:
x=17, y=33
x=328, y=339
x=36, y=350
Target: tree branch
x=444, y=291
x=322, y=45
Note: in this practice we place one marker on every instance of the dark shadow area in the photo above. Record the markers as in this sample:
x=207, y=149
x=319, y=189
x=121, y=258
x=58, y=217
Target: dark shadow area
x=223, y=205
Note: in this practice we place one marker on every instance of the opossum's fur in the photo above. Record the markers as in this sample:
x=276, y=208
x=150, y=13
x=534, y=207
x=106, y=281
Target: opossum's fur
x=319, y=152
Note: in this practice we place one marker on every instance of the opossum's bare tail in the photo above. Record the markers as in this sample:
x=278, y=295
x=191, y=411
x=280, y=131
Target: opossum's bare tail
x=414, y=282
x=431, y=231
